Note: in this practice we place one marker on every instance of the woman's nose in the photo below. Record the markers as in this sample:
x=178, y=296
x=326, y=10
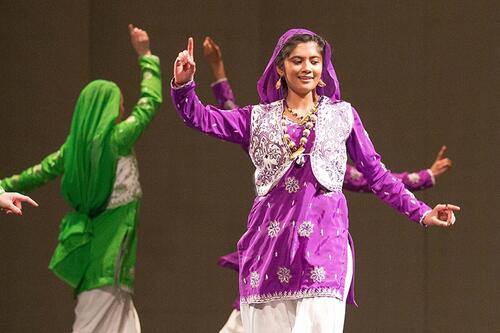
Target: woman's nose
x=306, y=68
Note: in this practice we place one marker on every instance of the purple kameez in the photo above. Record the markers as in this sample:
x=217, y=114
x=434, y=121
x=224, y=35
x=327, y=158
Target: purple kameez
x=296, y=241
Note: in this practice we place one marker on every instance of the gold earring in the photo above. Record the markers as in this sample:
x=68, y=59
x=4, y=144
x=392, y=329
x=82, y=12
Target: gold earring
x=321, y=83
x=278, y=84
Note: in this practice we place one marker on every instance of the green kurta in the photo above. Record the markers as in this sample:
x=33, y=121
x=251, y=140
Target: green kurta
x=99, y=250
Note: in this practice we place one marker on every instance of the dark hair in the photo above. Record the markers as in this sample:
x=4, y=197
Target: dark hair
x=292, y=43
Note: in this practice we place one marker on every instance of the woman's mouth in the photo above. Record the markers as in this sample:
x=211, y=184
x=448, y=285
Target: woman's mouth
x=306, y=78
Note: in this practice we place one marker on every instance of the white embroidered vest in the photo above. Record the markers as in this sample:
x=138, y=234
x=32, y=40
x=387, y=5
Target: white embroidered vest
x=126, y=187
x=271, y=155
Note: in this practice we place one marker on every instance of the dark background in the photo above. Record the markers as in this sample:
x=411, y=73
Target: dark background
x=421, y=74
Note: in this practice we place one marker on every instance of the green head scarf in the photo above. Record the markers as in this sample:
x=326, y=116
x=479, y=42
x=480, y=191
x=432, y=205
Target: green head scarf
x=89, y=174
x=89, y=160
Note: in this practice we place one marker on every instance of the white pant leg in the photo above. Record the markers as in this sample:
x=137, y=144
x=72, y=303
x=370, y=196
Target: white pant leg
x=233, y=324
x=271, y=317
x=324, y=314
x=306, y=315
x=319, y=315
x=106, y=310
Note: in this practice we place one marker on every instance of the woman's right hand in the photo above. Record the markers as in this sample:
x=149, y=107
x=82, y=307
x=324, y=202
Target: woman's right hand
x=184, y=65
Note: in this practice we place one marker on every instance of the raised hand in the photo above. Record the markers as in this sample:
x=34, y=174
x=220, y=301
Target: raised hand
x=441, y=164
x=11, y=202
x=184, y=65
x=213, y=54
x=211, y=51
x=441, y=215
x=140, y=40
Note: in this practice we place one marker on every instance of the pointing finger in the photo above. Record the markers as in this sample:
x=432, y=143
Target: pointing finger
x=190, y=47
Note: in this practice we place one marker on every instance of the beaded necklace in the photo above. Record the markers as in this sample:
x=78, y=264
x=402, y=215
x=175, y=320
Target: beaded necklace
x=308, y=121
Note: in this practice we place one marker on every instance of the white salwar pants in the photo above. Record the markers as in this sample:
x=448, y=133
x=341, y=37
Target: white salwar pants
x=106, y=310
x=304, y=315
x=233, y=324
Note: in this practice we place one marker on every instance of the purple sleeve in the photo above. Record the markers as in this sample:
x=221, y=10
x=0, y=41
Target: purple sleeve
x=355, y=181
x=385, y=186
x=419, y=180
x=232, y=126
x=224, y=94
x=229, y=261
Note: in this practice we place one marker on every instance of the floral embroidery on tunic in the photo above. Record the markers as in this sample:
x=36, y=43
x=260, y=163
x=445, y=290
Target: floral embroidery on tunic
x=355, y=174
x=414, y=178
x=273, y=229
x=130, y=119
x=318, y=274
x=254, y=279
x=306, y=229
x=147, y=75
x=290, y=295
x=291, y=185
x=143, y=102
x=284, y=275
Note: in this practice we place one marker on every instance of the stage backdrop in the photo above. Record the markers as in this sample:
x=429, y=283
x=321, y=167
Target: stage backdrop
x=420, y=75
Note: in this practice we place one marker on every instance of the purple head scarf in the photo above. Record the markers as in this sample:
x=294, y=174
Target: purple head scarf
x=266, y=86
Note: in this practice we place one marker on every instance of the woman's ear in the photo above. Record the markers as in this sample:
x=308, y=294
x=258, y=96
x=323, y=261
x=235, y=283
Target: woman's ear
x=280, y=71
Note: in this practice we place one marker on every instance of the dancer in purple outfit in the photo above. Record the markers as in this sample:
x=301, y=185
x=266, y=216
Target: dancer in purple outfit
x=353, y=179
x=296, y=257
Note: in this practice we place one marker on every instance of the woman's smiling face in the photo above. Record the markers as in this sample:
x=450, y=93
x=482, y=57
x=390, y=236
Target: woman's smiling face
x=302, y=68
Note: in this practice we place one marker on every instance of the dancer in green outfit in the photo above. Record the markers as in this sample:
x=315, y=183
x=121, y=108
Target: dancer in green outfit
x=96, y=252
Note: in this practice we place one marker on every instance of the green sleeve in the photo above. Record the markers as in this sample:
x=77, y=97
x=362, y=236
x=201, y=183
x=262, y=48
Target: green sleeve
x=36, y=176
x=2, y=191
x=128, y=131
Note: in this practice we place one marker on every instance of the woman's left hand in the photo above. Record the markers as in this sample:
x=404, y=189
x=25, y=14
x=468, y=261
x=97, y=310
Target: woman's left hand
x=212, y=51
x=140, y=40
x=11, y=202
x=213, y=54
x=441, y=164
x=442, y=215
